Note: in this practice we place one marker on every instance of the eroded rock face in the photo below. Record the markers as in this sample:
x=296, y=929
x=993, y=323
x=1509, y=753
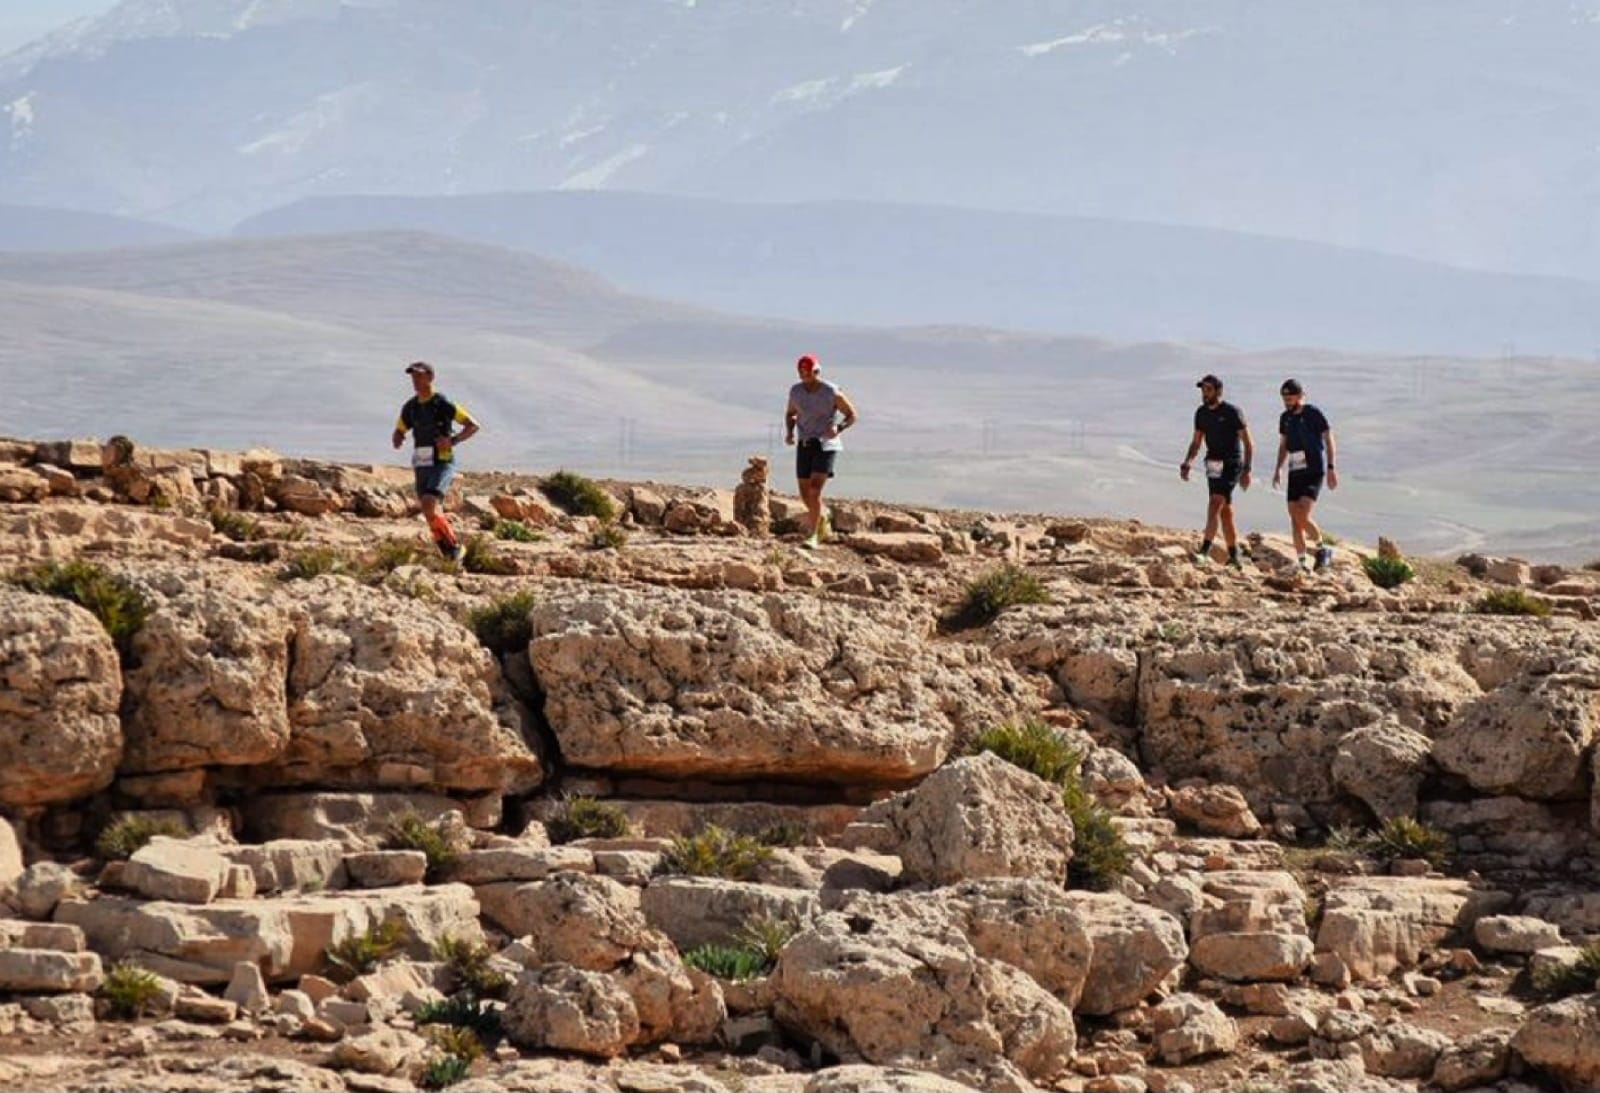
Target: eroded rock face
x=1529, y=738
x=384, y=690
x=560, y=1007
x=209, y=686
x=1377, y=925
x=60, y=687
x=1562, y=1039
x=897, y=983
x=730, y=684
x=1383, y=765
x=979, y=816
x=1136, y=948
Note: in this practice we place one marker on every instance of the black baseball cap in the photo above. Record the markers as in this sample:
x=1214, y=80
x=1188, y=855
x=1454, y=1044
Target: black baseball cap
x=1210, y=381
x=1291, y=387
x=419, y=368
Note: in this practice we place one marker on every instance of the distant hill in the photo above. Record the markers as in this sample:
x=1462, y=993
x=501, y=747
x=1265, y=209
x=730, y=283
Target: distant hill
x=26, y=228
x=299, y=343
x=851, y=262
x=1459, y=131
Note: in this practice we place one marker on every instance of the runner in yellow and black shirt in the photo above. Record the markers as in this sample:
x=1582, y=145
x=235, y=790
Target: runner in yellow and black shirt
x=431, y=418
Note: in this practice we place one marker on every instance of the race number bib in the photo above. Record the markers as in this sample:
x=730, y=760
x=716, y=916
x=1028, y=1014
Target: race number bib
x=422, y=457
x=1215, y=467
x=1297, y=461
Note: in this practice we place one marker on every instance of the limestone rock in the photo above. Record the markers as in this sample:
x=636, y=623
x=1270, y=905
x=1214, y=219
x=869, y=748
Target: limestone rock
x=1188, y=1027
x=1383, y=765
x=857, y=1078
x=674, y=1002
x=41, y=886
x=1031, y=925
x=381, y=1051
x=292, y=865
x=10, y=857
x=208, y=689
x=362, y=819
x=1252, y=956
x=386, y=690
x=287, y=937
x=1562, y=1039
x=1377, y=925
x=901, y=986
x=1528, y=739
x=520, y=863
x=1215, y=810
x=1135, y=949
x=38, y=971
x=587, y=921
x=60, y=689
x=1515, y=934
x=176, y=869
x=730, y=684
x=695, y=911
x=247, y=989
x=563, y=1008
x=1477, y=1061
x=979, y=816
x=386, y=868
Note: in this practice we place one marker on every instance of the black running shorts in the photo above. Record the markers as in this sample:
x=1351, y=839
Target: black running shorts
x=1221, y=481
x=811, y=459
x=1304, y=485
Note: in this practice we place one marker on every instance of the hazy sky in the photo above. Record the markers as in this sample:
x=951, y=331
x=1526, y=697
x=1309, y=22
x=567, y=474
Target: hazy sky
x=21, y=21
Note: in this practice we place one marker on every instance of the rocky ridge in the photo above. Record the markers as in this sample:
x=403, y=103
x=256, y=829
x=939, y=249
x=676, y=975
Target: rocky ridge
x=306, y=685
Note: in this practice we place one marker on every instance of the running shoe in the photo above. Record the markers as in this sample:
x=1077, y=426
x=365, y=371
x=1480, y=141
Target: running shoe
x=1324, y=559
x=1304, y=563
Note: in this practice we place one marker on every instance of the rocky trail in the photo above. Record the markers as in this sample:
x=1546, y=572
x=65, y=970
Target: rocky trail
x=643, y=797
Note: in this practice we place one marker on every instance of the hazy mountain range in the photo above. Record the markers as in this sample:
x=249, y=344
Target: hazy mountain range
x=298, y=343
x=1460, y=132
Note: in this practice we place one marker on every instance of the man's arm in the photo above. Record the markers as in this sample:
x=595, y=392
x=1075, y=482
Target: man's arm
x=844, y=406
x=469, y=426
x=1249, y=456
x=1194, y=450
x=398, y=437
x=1283, y=455
x=1333, y=472
x=791, y=418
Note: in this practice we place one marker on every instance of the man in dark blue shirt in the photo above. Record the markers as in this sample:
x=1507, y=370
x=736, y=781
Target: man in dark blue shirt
x=1229, y=451
x=1306, y=446
x=431, y=419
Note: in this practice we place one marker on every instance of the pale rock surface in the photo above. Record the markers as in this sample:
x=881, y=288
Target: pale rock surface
x=1383, y=765
x=902, y=986
x=1562, y=1039
x=1189, y=1027
x=1529, y=738
x=209, y=686
x=1474, y=1062
x=381, y=1051
x=695, y=911
x=979, y=816
x=1515, y=934
x=60, y=689
x=11, y=868
x=857, y=1078
x=1136, y=949
x=179, y=870
x=41, y=886
x=386, y=868
x=1215, y=810
x=385, y=690
x=247, y=989
x=34, y=971
x=1377, y=925
x=559, y=1007
x=292, y=865
x=731, y=684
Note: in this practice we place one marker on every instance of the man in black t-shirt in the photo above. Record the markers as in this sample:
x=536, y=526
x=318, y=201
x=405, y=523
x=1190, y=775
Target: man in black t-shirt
x=1221, y=427
x=1305, y=444
x=431, y=419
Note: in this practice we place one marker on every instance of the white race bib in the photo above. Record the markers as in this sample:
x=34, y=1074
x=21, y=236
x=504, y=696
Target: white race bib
x=1297, y=461
x=422, y=457
x=1215, y=467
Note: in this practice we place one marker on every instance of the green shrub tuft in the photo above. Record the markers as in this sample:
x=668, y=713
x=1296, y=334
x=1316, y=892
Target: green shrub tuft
x=502, y=627
x=608, y=537
x=1388, y=572
x=579, y=496
x=1511, y=601
x=733, y=962
x=319, y=561
x=715, y=852
x=767, y=936
x=587, y=818
x=119, y=605
x=361, y=953
x=119, y=841
x=1033, y=746
x=441, y=845
x=472, y=963
x=130, y=991
x=235, y=525
x=444, y=1071
x=515, y=531
x=992, y=593
x=462, y=1010
x=1404, y=837
x=479, y=555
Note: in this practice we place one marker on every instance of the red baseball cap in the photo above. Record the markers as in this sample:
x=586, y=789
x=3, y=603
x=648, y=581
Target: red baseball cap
x=807, y=362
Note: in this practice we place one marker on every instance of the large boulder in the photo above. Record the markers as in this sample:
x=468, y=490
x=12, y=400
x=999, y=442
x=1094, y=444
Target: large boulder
x=1562, y=1039
x=1377, y=925
x=897, y=983
x=1136, y=950
x=1031, y=925
x=711, y=911
x=384, y=690
x=1383, y=765
x=562, y=1008
x=729, y=684
x=60, y=689
x=1527, y=739
x=287, y=937
x=979, y=816
x=176, y=869
x=1188, y=1027
x=208, y=686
